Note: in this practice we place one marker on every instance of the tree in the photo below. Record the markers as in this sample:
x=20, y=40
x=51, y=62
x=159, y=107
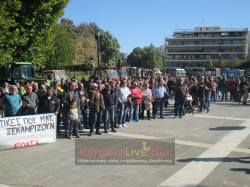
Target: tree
x=222, y=63
x=90, y=29
x=28, y=29
x=109, y=49
x=148, y=57
x=237, y=62
x=135, y=58
x=210, y=63
x=85, y=50
x=64, y=48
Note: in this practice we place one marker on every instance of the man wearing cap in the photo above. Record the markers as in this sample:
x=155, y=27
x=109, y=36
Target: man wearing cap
x=123, y=94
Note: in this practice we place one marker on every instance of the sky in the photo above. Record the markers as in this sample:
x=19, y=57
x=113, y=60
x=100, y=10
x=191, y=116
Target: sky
x=139, y=23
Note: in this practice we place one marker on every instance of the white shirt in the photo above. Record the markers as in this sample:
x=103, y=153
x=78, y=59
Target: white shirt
x=123, y=93
x=147, y=96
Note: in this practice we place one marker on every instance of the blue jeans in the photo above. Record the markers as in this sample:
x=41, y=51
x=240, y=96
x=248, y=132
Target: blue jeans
x=159, y=103
x=202, y=103
x=134, y=114
x=213, y=96
x=123, y=108
x=95, y=120
x=179, y=105
x=224, y=95
x=208, y=98
x=109, y=117
x=218, y=94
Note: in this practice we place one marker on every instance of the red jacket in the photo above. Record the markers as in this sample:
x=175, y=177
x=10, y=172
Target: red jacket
x=136, y=95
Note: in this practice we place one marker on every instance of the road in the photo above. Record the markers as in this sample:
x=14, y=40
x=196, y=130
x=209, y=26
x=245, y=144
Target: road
x=212, y=149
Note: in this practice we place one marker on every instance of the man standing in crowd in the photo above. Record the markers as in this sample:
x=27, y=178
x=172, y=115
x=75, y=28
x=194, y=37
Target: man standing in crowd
x=41, y=93
x=12, y=101
x=110, y=98
x=208, y=88
x=30, y=101
x=159, y=93
x=245, y=89
x=83, y=105
x=201, y=94
x=136, y=97
x=180, y=94
x=171, y=86
x=223, y=87
x=123, y=94
x=241, y=87
x=96, y=107
x=49, y=103
x=146, y=100
x=114, y=90
x=68, y=97
x=213, y=89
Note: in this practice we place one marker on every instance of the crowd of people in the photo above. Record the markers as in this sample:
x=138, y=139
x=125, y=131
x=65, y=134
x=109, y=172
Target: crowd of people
x=116, y=103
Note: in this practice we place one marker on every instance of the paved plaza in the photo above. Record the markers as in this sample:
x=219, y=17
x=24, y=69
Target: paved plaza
x=212, y=149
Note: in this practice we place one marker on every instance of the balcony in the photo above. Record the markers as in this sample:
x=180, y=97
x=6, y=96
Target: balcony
x=207, y=38
x=196, y=60
x=212, y=53
x=214, y=45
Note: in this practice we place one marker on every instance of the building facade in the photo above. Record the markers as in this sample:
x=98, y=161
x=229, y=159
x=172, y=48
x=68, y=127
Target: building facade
x=194, y=48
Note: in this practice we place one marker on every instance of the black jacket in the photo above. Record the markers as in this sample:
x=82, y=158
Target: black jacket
x=201, y=91
x=31, y=102
x=67, y=100
x=108, y=97
x=51, y=105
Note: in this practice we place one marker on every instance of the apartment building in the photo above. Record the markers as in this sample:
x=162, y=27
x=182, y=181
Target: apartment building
x=193, y=48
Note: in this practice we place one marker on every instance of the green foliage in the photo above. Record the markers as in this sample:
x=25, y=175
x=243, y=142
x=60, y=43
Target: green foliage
x=109, y=48
x=64, y=48
x=237, y=62
x=77, y=45
x=135, y=58
x=222, y=64
x=209, y=63
x=147, y=57
x=85, y=50
x=28, y=29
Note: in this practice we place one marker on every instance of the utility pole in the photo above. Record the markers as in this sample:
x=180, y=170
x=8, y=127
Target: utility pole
x=98, y=53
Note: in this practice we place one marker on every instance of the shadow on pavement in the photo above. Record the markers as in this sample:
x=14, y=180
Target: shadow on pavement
x=227, y=128
x=231, y=104
x=245, y=160
x=246, y=170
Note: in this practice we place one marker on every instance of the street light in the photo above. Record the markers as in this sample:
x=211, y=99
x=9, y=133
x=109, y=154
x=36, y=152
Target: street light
x=142, y=66
x=98, y=52
x=219, y=60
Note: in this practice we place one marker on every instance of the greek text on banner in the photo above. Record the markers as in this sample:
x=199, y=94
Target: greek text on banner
x=26, y=131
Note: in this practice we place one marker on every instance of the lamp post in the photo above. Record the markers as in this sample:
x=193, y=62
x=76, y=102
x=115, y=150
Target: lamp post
x=219, y=60
x=142, y=65
x=98, y=52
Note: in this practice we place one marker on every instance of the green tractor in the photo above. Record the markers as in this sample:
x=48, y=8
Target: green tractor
x=13, y=72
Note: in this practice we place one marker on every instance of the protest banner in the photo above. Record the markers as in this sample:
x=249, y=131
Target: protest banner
x=26, y=131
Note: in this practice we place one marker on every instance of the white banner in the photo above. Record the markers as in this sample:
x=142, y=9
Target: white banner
x=26, y=131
